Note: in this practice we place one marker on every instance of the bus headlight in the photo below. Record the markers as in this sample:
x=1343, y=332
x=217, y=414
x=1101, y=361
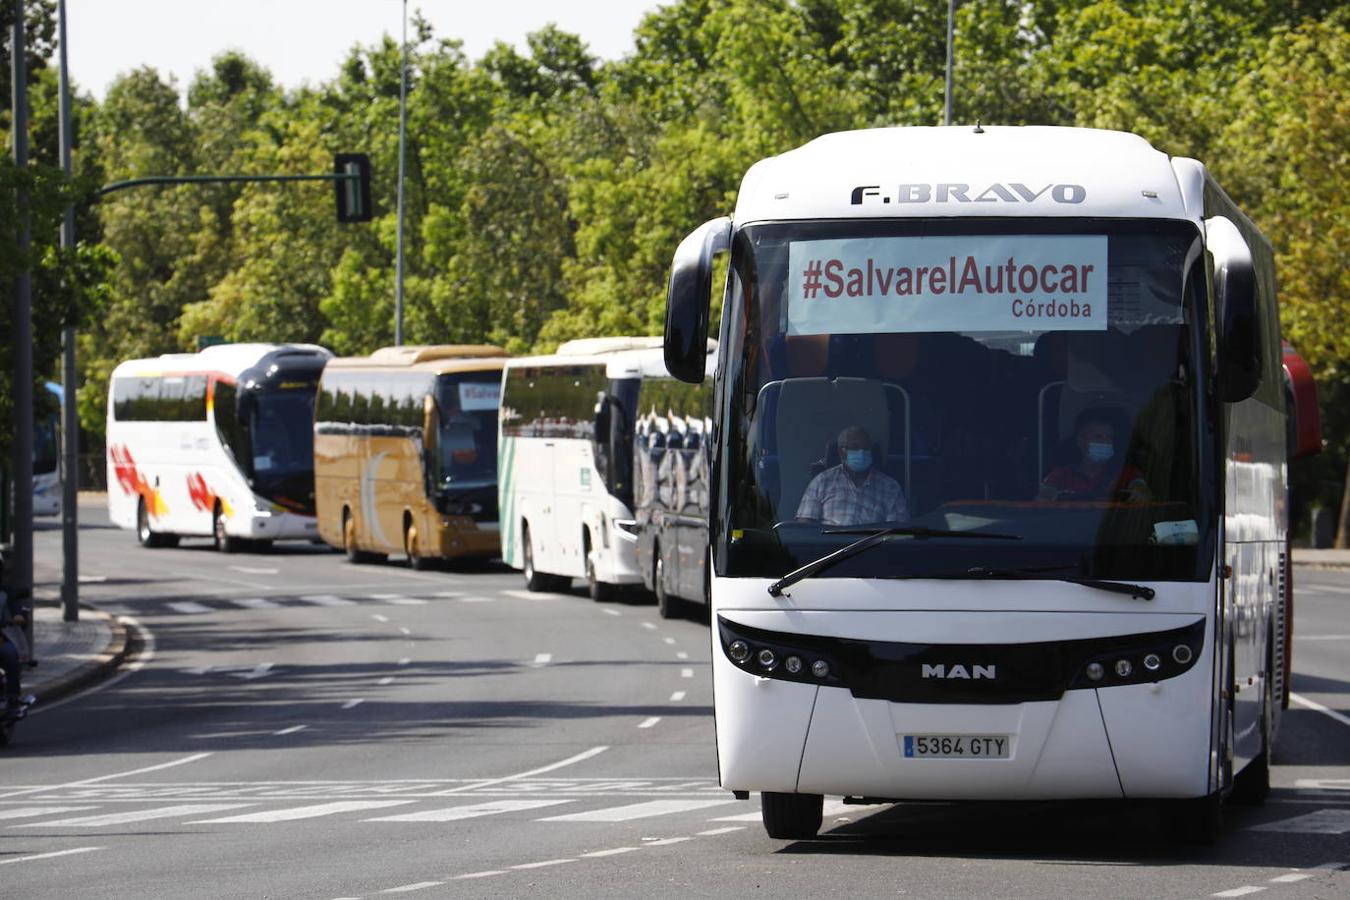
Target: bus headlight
x=767, y=658
x=1152, y=662
x=1182, y=654
x=820, y=668
x=1096, y=671
x=793, y=664
x=1124, y=668
x=739, y=651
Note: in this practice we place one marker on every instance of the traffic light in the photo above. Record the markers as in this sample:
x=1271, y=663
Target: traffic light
x=353, y=193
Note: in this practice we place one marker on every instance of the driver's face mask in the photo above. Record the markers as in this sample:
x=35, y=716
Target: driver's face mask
x=858, y=460
x=1100, y=452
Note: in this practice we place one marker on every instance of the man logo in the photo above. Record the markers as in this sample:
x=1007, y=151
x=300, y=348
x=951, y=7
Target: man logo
x=958, y=671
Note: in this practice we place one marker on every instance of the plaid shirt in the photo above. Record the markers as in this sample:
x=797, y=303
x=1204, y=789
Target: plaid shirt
x=833, y=499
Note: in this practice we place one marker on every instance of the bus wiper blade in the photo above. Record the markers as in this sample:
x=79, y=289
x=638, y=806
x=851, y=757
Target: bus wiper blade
x=1137, y=591
x=873, y=537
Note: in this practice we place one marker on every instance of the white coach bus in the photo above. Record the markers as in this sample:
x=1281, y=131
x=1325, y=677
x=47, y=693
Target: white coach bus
x=565, y=471
x=218, y=443
x=999, y=476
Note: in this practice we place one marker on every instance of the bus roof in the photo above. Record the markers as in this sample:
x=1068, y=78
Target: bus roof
x=966, y=171
x=230, y=359
x=644, y=360
x=600, y=345
x=439, y=358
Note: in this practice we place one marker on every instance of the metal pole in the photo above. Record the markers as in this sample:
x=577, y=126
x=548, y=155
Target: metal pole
x=951, y=25
x=402, y=141
x=70, y=423
x=21, y=582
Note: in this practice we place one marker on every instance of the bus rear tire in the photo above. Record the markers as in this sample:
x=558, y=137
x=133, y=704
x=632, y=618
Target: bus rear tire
x=147, y=536
x=791, y=817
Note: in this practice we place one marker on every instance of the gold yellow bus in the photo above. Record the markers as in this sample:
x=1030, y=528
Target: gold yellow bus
x=405, y=453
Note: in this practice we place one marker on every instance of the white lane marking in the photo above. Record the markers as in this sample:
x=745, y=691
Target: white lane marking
x=677, y=696
x=189, y=607
x=303, y=812
x=715, y=831
x=408, y=888
x=70, y=784
x=292, y=730
x=472, y=811
x=405, y=660
x=649, y=626
x=543, y=659
x=476, y=785
x=326, y=600
x=446, y=594
x=488, y=874
x=477, y=600
x=649, y=722
x=53, y=855
x=1324, y=821
x=92, y=579
x=1314, y=705
x=405, y=631
x=666, y=841
x=600, y=854
x=531, y=595
x=686, y=673
x=136, y=815
x=256, y=603
x=1304, y=875
x=612, y=612
x=28, y=812
x=386, y=596
x=379, y=617
x=668, y=640
x=543, y=863
x=1240, y=892
x=407, y=601
x=637, y=811
x=1322, y=637
x=830, y=809
x=352, y=704
x=681, y=655
x=386, y=680
x=255, y=570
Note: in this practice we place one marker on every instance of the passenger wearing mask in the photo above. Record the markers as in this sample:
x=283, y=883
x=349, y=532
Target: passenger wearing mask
x=854, y=492
x=1101, y=471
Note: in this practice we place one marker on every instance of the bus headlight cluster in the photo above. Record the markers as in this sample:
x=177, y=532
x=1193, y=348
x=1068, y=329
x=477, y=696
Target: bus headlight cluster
x=1140, y=664
x=778, y=661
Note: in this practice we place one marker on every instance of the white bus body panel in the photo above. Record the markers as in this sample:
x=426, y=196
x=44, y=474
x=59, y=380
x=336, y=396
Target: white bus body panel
x=1149, y=740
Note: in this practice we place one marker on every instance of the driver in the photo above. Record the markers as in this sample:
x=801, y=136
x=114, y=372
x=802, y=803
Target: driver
x=853, y=492
x=1101, y=471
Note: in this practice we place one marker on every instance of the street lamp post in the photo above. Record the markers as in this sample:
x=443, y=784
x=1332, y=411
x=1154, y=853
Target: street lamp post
x=70, y=426
x=21, y=579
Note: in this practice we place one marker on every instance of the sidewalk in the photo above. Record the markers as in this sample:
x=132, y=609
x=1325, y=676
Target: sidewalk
x=1322, y=559
x=72, y=655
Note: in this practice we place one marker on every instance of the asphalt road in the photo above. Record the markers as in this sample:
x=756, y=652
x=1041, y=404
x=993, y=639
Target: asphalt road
x=295, y=726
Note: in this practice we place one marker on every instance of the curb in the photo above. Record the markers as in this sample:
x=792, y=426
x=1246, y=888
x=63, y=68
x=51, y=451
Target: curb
x=95, y=670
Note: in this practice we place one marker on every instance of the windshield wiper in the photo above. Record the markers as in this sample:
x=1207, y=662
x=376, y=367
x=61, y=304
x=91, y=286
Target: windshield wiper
x=873, y=538
x=1137, y=591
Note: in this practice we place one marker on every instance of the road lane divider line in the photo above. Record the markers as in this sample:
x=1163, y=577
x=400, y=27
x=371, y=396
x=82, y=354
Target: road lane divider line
x=409, y=888
x=53, y=855
x=405, y=660
x=386, y=681
x=665, y=842
x=326, y=600
x=380, y=617
x=682, y=655
x=632, y=811
x=477, y=599
x=649, y=626
x=407, y=601
x=352, y=704
x=28, y=812
x=601, y=854
x=543, y=659
x=70, y=784
x=487, y=874
x=295, y=813
x=292, y=730
x=649, y=722
x=1317, y=707
x=571, y=760
x=677, y=696
x=1305, y=874
x=256, y=603
x=668, y=640
x=1240, y=892
x=712, y=832
x=612, y=612
x=546, y=862
x=686, y=673
x=130, y=817
x=470, y=811
x=405, y=631
x=189, y=607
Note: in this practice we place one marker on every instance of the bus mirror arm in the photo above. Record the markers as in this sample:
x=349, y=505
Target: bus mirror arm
x=1237, y=316
x=689, y=298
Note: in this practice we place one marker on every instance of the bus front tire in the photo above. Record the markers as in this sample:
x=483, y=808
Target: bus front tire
x=791, y=817
x=536, y=581
x=225, y=543
x=667, y=606
x=412, y=548
x=600, y=591
x=147, y=536
x=354, y=555
x=1252, y=784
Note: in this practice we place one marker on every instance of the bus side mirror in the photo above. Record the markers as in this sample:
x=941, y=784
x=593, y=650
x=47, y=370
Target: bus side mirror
x=689, y=298
x=1237, y=318
x=430, y=424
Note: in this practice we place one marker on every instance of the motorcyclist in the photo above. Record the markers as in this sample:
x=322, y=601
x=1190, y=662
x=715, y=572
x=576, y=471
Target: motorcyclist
x=13, y=649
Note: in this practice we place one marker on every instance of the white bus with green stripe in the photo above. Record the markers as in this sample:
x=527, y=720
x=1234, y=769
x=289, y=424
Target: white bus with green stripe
x=566, y=463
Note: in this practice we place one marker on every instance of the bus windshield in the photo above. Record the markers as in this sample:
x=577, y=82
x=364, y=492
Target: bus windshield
x=280, y=424
x=1036, y=379
x=466, y=445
